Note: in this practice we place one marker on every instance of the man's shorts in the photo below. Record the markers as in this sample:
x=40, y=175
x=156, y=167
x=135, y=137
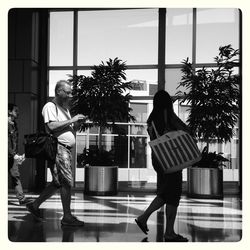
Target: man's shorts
x=61, y=171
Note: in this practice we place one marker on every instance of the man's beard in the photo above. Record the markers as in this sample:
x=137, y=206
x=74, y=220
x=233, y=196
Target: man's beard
x=67, y=102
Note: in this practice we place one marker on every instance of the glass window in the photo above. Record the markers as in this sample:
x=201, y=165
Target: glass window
x=178, y=35
x=144, y=81
x=61, y=39
x=117, y=144
x=94, y=130
x=120, y=147
x=173, y=78
x=215, y=28
x=93, y=141
x=84, y=72
x=81, y=143
x=183, y=112
x=55, y=76
x=138, y=152
x=130, y=35
x=138, y=130
x=139, y=111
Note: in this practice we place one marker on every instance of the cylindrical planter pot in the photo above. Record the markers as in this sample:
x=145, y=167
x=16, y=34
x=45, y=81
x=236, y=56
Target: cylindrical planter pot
x=101, y=180
x=204, y=182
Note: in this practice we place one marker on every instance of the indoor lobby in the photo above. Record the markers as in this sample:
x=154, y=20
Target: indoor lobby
x=47, y=45
x=112, y=219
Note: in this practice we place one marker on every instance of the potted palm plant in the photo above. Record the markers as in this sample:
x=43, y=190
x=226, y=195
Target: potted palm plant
x=213, y=96
x=104, y=98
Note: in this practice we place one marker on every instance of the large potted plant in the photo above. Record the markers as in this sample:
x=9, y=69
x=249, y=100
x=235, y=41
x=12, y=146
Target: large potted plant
x=104, y=98
x=213, y=95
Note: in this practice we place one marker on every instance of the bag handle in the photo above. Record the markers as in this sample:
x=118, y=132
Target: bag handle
x=155, y=130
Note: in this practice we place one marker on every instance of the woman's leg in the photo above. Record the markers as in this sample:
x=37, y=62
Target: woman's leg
x=157, y=203
x=171, y=212
x=170, y=235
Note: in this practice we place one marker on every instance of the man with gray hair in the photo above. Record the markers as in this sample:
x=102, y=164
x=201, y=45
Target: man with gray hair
x=59, y=122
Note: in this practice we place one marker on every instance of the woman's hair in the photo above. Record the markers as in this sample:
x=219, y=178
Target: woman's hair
x=162, y=101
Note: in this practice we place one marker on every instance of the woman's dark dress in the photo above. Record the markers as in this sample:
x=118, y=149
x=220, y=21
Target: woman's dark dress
x=169, y=186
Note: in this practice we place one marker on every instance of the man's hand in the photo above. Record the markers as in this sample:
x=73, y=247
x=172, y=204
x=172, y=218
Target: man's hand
x=79, y=118
x=60, y=125
x=19, y=159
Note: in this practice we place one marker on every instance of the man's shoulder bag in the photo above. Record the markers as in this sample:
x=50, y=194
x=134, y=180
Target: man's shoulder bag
x=41, y=145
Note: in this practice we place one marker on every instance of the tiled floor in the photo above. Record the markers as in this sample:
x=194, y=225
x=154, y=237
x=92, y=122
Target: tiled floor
x=111, y=219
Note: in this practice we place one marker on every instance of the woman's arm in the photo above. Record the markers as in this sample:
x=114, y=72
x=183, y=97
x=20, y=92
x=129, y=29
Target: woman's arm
x=175, y=123
x=179, y=124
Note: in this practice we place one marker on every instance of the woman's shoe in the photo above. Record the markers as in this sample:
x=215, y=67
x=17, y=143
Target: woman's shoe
x=143, y=227
x=145, y=239
x=177, y=238
x=73, y=221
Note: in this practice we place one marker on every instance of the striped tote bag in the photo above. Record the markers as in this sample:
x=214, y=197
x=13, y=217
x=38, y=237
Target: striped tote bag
x=175, y=150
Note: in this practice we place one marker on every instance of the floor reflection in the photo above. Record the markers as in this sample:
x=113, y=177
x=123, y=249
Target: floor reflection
x=111, y=219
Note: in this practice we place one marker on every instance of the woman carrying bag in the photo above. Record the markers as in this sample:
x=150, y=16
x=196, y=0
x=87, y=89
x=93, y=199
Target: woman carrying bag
x=169, y=186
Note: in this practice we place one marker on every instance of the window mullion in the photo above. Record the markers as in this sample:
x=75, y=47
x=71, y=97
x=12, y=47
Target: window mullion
x=75, y=41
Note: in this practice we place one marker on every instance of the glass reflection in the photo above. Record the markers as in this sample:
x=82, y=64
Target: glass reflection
x=178, y=35
x=55, y=76
x=215, y=28
x=138, y=153
x=61, y=39
x=120, y=33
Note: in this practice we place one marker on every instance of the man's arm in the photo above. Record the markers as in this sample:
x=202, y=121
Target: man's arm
x=11, y=150
x=60, y=125
x=12, y=142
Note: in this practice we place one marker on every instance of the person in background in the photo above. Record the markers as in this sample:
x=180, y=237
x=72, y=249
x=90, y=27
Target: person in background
x=58, y=121
x=15, y=159
x=169, y=186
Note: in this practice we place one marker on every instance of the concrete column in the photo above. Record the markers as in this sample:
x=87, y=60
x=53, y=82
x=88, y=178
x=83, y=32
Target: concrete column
x=24, y=78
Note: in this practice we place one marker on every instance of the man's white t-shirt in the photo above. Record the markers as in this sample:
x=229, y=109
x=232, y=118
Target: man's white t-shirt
x=51, y=113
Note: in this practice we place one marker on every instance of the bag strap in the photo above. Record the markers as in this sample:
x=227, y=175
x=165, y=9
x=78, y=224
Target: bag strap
x=56, y=107
x=155, y=130
x=47, y=128
x=62, y=110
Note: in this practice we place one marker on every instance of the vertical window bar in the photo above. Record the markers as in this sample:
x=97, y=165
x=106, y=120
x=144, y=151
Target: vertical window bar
x=129, y=139
x=75, y=26
x=48, y=56
x=240, y=120
x=75, y=41
x=161, y=48
x=194, y=36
